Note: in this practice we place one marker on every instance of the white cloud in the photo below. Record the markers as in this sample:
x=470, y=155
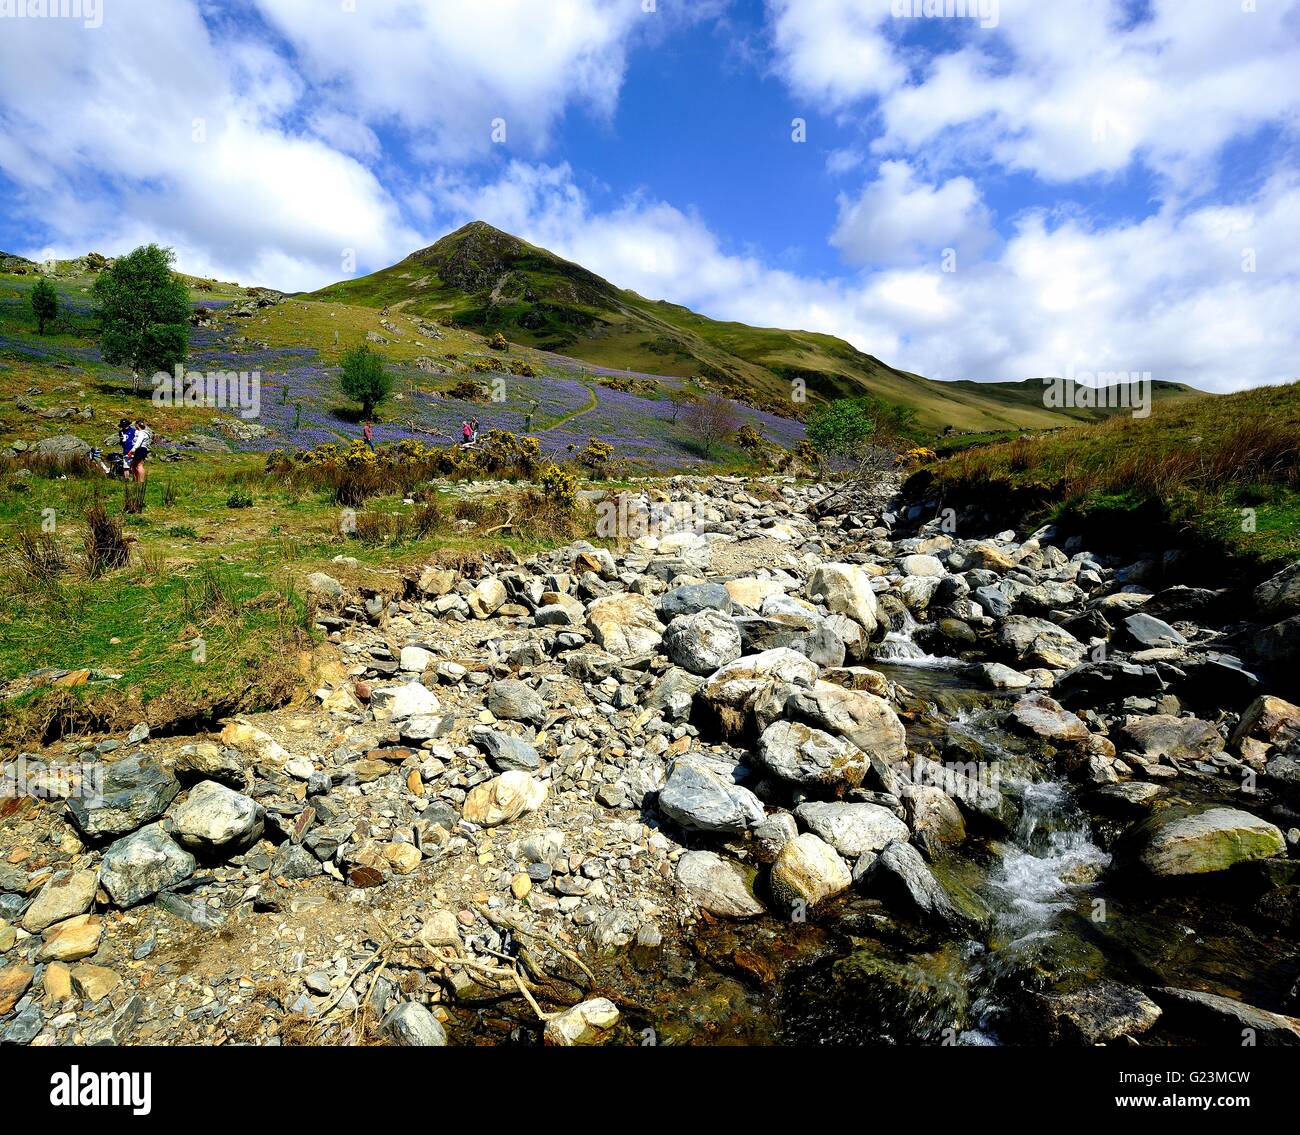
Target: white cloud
x=193, y=156
x=897, y=219
x=1063, y=90
x=449, y=69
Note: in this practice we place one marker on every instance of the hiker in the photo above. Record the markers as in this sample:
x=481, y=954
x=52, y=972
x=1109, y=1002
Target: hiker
x=140, y=439
x=467, y=433
x=473, y=428
x=126, y=436
x=528, y=415
x=368, y=432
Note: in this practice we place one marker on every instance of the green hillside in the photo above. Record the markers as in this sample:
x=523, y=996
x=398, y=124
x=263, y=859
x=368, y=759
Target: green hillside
x=485, y=280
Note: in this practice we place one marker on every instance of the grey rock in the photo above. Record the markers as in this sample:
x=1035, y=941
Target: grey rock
x=411, y=1025
x=698, y=799
x=143, y=863
x=136, y=791
x=506, y=752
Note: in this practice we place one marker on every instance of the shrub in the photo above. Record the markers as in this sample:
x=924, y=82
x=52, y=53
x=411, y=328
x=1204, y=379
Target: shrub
x=595, y=454
x=105, y=543
x=559, y=487
x=240, y=498
x=498, y=342
x=38, y=553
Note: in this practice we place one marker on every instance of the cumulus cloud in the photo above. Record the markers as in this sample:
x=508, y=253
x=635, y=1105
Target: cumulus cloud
x=898, y=219
x=451, y=70
x=1064, y=91
x=195, y=156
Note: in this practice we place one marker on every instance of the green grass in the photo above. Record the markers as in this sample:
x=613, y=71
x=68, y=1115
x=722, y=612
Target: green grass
x=1226, y=471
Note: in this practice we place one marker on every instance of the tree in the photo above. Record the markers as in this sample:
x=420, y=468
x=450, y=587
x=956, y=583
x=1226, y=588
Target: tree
x=364, y=378
x=860, y=435
x=711, y=419
x=143, y=310
x=678, y=400
x=45, y=304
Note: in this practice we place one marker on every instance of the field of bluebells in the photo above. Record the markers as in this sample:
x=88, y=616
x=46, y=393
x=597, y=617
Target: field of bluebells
x=301, y=405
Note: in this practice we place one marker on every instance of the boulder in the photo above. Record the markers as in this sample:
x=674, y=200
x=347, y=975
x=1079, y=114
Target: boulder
x=61, y=899
x=851, y=829
x=407, y=699
x=625, y=624
x=1036, y=642
x=586, y=1023
x=703, y=642
x=730, y=694
x=136, y=790
x=845, y=589
x=513, y=700
x=1042, y=717
x=1100, y=1013
x=1279, y=596
x=504, y=798
x=934, y=816
x=807, y=871
x=140, y=865
x=902, y=876
x=215, y=819
x=411, y=1025
x=1226, y=1021
x=692, y=598
x=860, y=717
x=1181, y=842
x=699, y=800
x=507, y=753
x=808, y=757
x=488, y=596
x=923, y=566
x=254, y=743
x=1146, y=630
x=1268, y=719
x=719, y=886
x=1159, y=735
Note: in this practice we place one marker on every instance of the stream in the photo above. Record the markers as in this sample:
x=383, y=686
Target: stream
x=1056, y=921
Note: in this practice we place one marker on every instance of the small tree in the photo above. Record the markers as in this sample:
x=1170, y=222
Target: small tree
x=678, y=400
x=860, y=436
x=143, y=311
x=365, y=379
x=45, y=304
x=711, y=419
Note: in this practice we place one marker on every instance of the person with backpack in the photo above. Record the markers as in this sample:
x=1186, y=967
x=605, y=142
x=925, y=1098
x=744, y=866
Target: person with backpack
x=473, y=430
x=140, y=441
x=125, y=435
x=467, y=432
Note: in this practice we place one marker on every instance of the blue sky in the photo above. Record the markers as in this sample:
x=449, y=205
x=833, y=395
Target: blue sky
x=1040, y=188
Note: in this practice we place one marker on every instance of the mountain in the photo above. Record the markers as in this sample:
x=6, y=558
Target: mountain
x=486, y=280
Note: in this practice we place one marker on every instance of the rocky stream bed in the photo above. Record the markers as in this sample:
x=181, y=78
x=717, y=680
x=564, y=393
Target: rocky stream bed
x=787, y=766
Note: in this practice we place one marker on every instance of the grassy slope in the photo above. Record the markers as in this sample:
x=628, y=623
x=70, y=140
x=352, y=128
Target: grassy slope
x=198, y=568
x=1197, y=463
x=481, y=278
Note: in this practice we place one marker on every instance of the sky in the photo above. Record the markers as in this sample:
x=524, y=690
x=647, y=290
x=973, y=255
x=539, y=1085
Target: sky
x=978, y=189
